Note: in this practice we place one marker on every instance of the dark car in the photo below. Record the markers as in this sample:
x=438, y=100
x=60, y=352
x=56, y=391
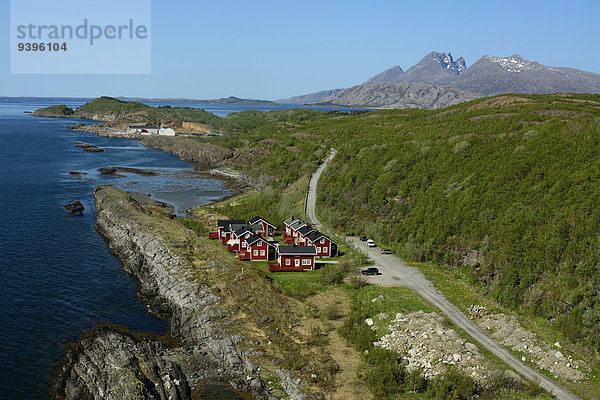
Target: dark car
x=363, y=238
x=388, y=251
x=350, y=234
x=370, y=271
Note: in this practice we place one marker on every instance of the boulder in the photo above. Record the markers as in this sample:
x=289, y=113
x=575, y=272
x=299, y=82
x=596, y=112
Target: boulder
x=75, y=208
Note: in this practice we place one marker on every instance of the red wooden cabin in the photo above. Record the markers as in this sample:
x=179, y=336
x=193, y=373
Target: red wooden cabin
x=324, y=246
x=268, y=228
x=257, y=249
x=296, y=258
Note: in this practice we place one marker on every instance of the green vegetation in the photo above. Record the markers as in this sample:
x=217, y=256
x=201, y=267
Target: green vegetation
x=57, y=111
x=507, y=185
x=109, y=105
x=495, y=199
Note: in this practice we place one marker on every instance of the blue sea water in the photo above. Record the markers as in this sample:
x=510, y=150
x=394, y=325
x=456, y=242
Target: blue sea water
x=57, y=278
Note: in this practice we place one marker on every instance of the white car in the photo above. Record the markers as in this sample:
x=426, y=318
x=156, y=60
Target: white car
x=371, y=243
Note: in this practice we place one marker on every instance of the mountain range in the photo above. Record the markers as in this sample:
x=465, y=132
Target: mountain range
x=451, y=82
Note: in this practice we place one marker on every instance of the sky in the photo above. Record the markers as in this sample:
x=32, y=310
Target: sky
x=276, y=49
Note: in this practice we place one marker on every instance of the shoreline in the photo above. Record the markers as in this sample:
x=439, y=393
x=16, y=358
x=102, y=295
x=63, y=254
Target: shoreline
x=236, y=182
x=203, y=353
x=184, y=367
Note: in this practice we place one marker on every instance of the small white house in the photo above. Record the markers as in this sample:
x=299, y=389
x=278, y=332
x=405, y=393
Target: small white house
x=166, y=132
x=142, y=130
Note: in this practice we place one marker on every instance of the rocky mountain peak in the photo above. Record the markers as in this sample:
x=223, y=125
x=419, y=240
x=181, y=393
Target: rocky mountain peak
x=514, y=63
x=393, y=74
x=448, y=63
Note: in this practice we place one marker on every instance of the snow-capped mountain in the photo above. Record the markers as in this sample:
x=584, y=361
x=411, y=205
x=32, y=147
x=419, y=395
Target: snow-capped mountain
x=495, y=75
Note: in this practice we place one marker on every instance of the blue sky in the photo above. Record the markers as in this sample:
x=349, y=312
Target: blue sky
x=275, y=49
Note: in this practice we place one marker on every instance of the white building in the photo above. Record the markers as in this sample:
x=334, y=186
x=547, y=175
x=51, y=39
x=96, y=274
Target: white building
x=166, y=132
x=142, y=130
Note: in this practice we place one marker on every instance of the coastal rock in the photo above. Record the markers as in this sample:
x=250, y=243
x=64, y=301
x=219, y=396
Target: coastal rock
x=110, y=364
x=90, y=148
x=113, y=171
x=75, y=208
x=189, y=149
x=206, y=350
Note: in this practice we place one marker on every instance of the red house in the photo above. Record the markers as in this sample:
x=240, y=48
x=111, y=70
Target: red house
x=257, y=249
x=239, y=234
x=302, y=234
x=223, y=229
x=324, y=246
x=268, y=228
x=292, y=225
x=296, y=258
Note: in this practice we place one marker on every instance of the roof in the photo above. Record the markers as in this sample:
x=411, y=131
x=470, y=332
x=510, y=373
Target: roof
x=297, y=251
x=255, y=238
x=257, y=219
x=142, y=127
x=297, y=224
x=316, y=235
x=305, y=230
x=240, y=229
x=224, y=223
x=290, y=220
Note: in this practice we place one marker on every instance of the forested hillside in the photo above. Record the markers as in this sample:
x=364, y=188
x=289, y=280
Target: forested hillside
x=509, y=185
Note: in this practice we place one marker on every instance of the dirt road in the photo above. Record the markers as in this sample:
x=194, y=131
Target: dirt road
x=396, y=273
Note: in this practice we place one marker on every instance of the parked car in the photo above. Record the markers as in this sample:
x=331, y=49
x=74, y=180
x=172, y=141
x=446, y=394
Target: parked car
x=371, y=243
x=370, y=271
x=363, y=238
x=350, y=234
x=388, y=251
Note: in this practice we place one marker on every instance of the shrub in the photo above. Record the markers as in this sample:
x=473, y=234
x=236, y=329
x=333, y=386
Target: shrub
x=332, y=312
x=416, y=382
x=357, y=332
x=357, y=281
x=332, y=274
x=385, y=375
x=452, y=384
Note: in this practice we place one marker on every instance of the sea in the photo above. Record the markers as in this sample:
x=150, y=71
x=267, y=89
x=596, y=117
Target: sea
x=57, y=278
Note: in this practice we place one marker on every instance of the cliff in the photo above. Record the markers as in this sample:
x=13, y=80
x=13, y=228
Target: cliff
x=189, y=149
x=168, y=262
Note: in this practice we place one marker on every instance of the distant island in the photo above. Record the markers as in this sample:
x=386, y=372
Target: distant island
x=223, y=100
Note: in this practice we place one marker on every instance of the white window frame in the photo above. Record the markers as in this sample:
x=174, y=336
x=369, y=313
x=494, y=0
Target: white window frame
x=255, y=253
x=318, y=249
x=297, y=262
x=262, y=252
x=306, y=261
x=287, y=261
x=243, y=244
x=323, y=241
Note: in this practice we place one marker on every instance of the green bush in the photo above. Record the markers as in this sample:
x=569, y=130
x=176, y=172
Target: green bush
x=452, y=384
x=332, y=274
x=384, y=374
x=357, y=332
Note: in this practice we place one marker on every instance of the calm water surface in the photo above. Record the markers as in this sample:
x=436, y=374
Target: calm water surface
x=56, y=276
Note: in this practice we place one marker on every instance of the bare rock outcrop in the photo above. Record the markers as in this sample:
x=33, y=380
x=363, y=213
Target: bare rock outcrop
x=189, y=149
x=206, y=351
x=108, y=364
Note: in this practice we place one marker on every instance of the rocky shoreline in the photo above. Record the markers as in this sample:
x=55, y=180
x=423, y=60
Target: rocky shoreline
x=109, y=364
